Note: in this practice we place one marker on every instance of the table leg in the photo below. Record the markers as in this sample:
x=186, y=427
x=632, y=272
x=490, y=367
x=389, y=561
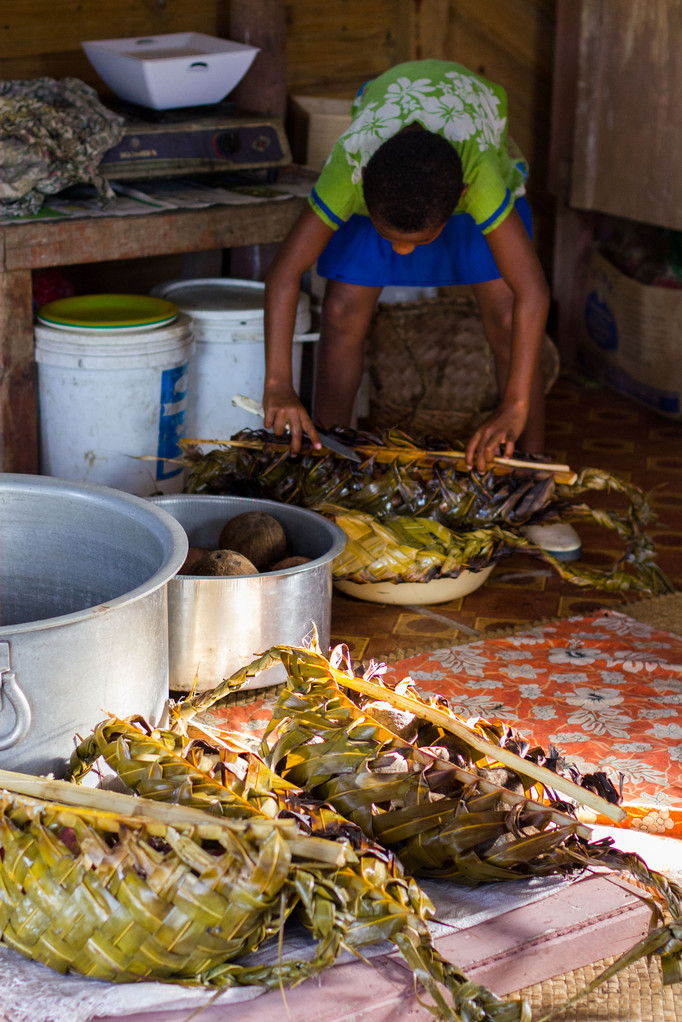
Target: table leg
x=18, y=403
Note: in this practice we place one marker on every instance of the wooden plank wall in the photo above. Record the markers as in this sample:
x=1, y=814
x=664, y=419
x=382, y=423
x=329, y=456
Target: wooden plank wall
x=330, y=50
x=627, y=145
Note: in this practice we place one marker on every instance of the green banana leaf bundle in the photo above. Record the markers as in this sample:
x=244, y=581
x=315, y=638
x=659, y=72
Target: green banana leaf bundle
x=471, y=802
x=206, y=861
x=414, y=513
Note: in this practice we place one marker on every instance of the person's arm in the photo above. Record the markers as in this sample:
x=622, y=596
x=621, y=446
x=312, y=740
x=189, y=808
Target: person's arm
x=520, y=268
x=297, y=253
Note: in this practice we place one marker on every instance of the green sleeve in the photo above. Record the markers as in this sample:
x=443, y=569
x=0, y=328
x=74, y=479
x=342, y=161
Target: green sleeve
x=488, y=199
x=337, y=193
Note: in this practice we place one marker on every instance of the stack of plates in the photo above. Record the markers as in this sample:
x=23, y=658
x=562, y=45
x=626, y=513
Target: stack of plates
x=108, y=312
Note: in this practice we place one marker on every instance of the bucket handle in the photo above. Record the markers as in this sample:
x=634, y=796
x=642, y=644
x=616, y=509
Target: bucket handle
x=242, y=336
x=9, y=689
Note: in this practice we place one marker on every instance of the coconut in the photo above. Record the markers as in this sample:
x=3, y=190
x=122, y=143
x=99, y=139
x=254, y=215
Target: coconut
x=257, y=535
x=194, y=554
x=224, y=562
x=289, y=562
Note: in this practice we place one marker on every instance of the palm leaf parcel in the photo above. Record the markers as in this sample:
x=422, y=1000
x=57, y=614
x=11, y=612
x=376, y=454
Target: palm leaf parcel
x=413, y=513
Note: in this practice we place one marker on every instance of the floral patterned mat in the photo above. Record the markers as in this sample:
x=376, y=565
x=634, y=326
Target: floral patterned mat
x=604, y=689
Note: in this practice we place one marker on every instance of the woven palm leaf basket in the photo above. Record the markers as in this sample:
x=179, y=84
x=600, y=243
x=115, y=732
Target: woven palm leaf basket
x=431, y=369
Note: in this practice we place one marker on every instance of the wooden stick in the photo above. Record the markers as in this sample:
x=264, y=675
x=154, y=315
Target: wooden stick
x=517, y=763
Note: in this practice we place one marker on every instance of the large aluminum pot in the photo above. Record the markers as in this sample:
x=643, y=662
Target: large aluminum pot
x=83, y=614
x=218, y=625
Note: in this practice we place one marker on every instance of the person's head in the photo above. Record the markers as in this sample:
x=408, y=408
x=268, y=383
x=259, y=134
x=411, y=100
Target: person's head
x=411, y=185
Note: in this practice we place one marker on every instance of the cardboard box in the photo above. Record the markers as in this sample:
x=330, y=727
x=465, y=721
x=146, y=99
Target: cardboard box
x=314, y=124
x=632, y=337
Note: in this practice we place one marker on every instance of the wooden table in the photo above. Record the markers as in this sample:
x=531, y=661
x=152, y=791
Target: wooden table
x=28, y=246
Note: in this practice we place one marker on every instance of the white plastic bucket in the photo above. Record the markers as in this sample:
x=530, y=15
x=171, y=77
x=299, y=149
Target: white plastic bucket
x=227, y=321
x=105, y=401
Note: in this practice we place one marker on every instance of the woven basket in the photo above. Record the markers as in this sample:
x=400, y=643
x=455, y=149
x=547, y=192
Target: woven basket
x=431, y=369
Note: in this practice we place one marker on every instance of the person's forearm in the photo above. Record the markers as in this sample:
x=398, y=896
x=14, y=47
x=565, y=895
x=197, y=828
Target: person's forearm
x=529, y=322
x=282, y=291
x=297, y=253
x=521, y=270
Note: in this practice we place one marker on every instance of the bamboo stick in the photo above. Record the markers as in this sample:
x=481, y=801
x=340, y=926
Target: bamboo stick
x=101, y=800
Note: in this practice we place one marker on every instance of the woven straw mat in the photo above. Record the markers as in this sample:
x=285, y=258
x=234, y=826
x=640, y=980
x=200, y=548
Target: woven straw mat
x=431, y=369
x=636, y=994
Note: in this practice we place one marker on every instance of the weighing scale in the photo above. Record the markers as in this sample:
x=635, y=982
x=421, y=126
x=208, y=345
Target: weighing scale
x=190, y=140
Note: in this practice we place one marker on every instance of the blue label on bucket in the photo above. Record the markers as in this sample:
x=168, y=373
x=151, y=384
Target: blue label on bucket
x=171, y=419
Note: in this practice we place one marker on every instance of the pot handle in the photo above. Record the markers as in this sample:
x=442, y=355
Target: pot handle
x=9, y=689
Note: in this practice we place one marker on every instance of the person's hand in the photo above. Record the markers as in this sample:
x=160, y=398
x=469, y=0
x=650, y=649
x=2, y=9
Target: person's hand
x=497, y=436
x=283, y=412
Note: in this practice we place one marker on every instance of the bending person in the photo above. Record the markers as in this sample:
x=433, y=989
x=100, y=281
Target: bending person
x=424, y=188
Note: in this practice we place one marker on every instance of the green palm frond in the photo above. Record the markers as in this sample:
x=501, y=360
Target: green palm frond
x=449, y=797
x=473, y=803
x=127, y=897
x=359, y=787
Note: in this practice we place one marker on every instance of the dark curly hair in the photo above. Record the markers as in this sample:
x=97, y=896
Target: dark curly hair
x=413, y=181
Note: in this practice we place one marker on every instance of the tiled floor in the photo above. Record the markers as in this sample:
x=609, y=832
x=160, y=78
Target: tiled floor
x=587, y=425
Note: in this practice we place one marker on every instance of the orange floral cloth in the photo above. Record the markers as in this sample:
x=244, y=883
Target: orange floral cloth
x=604, y=689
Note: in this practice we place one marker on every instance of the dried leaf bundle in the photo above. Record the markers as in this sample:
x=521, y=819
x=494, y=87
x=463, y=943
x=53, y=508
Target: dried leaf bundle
x=413, y=513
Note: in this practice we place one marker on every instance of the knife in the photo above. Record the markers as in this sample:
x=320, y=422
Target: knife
x=249, y=404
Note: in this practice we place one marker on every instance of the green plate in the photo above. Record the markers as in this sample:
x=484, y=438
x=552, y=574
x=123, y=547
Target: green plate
x=108, y=312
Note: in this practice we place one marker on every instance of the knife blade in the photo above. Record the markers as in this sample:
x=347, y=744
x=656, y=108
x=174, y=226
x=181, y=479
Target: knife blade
x=249, y=404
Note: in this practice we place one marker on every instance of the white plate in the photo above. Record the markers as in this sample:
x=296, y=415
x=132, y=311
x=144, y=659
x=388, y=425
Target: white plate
x=438, y=590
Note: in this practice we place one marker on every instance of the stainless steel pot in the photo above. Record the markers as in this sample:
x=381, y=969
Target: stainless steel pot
x=83, y=614
x=217, y=625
